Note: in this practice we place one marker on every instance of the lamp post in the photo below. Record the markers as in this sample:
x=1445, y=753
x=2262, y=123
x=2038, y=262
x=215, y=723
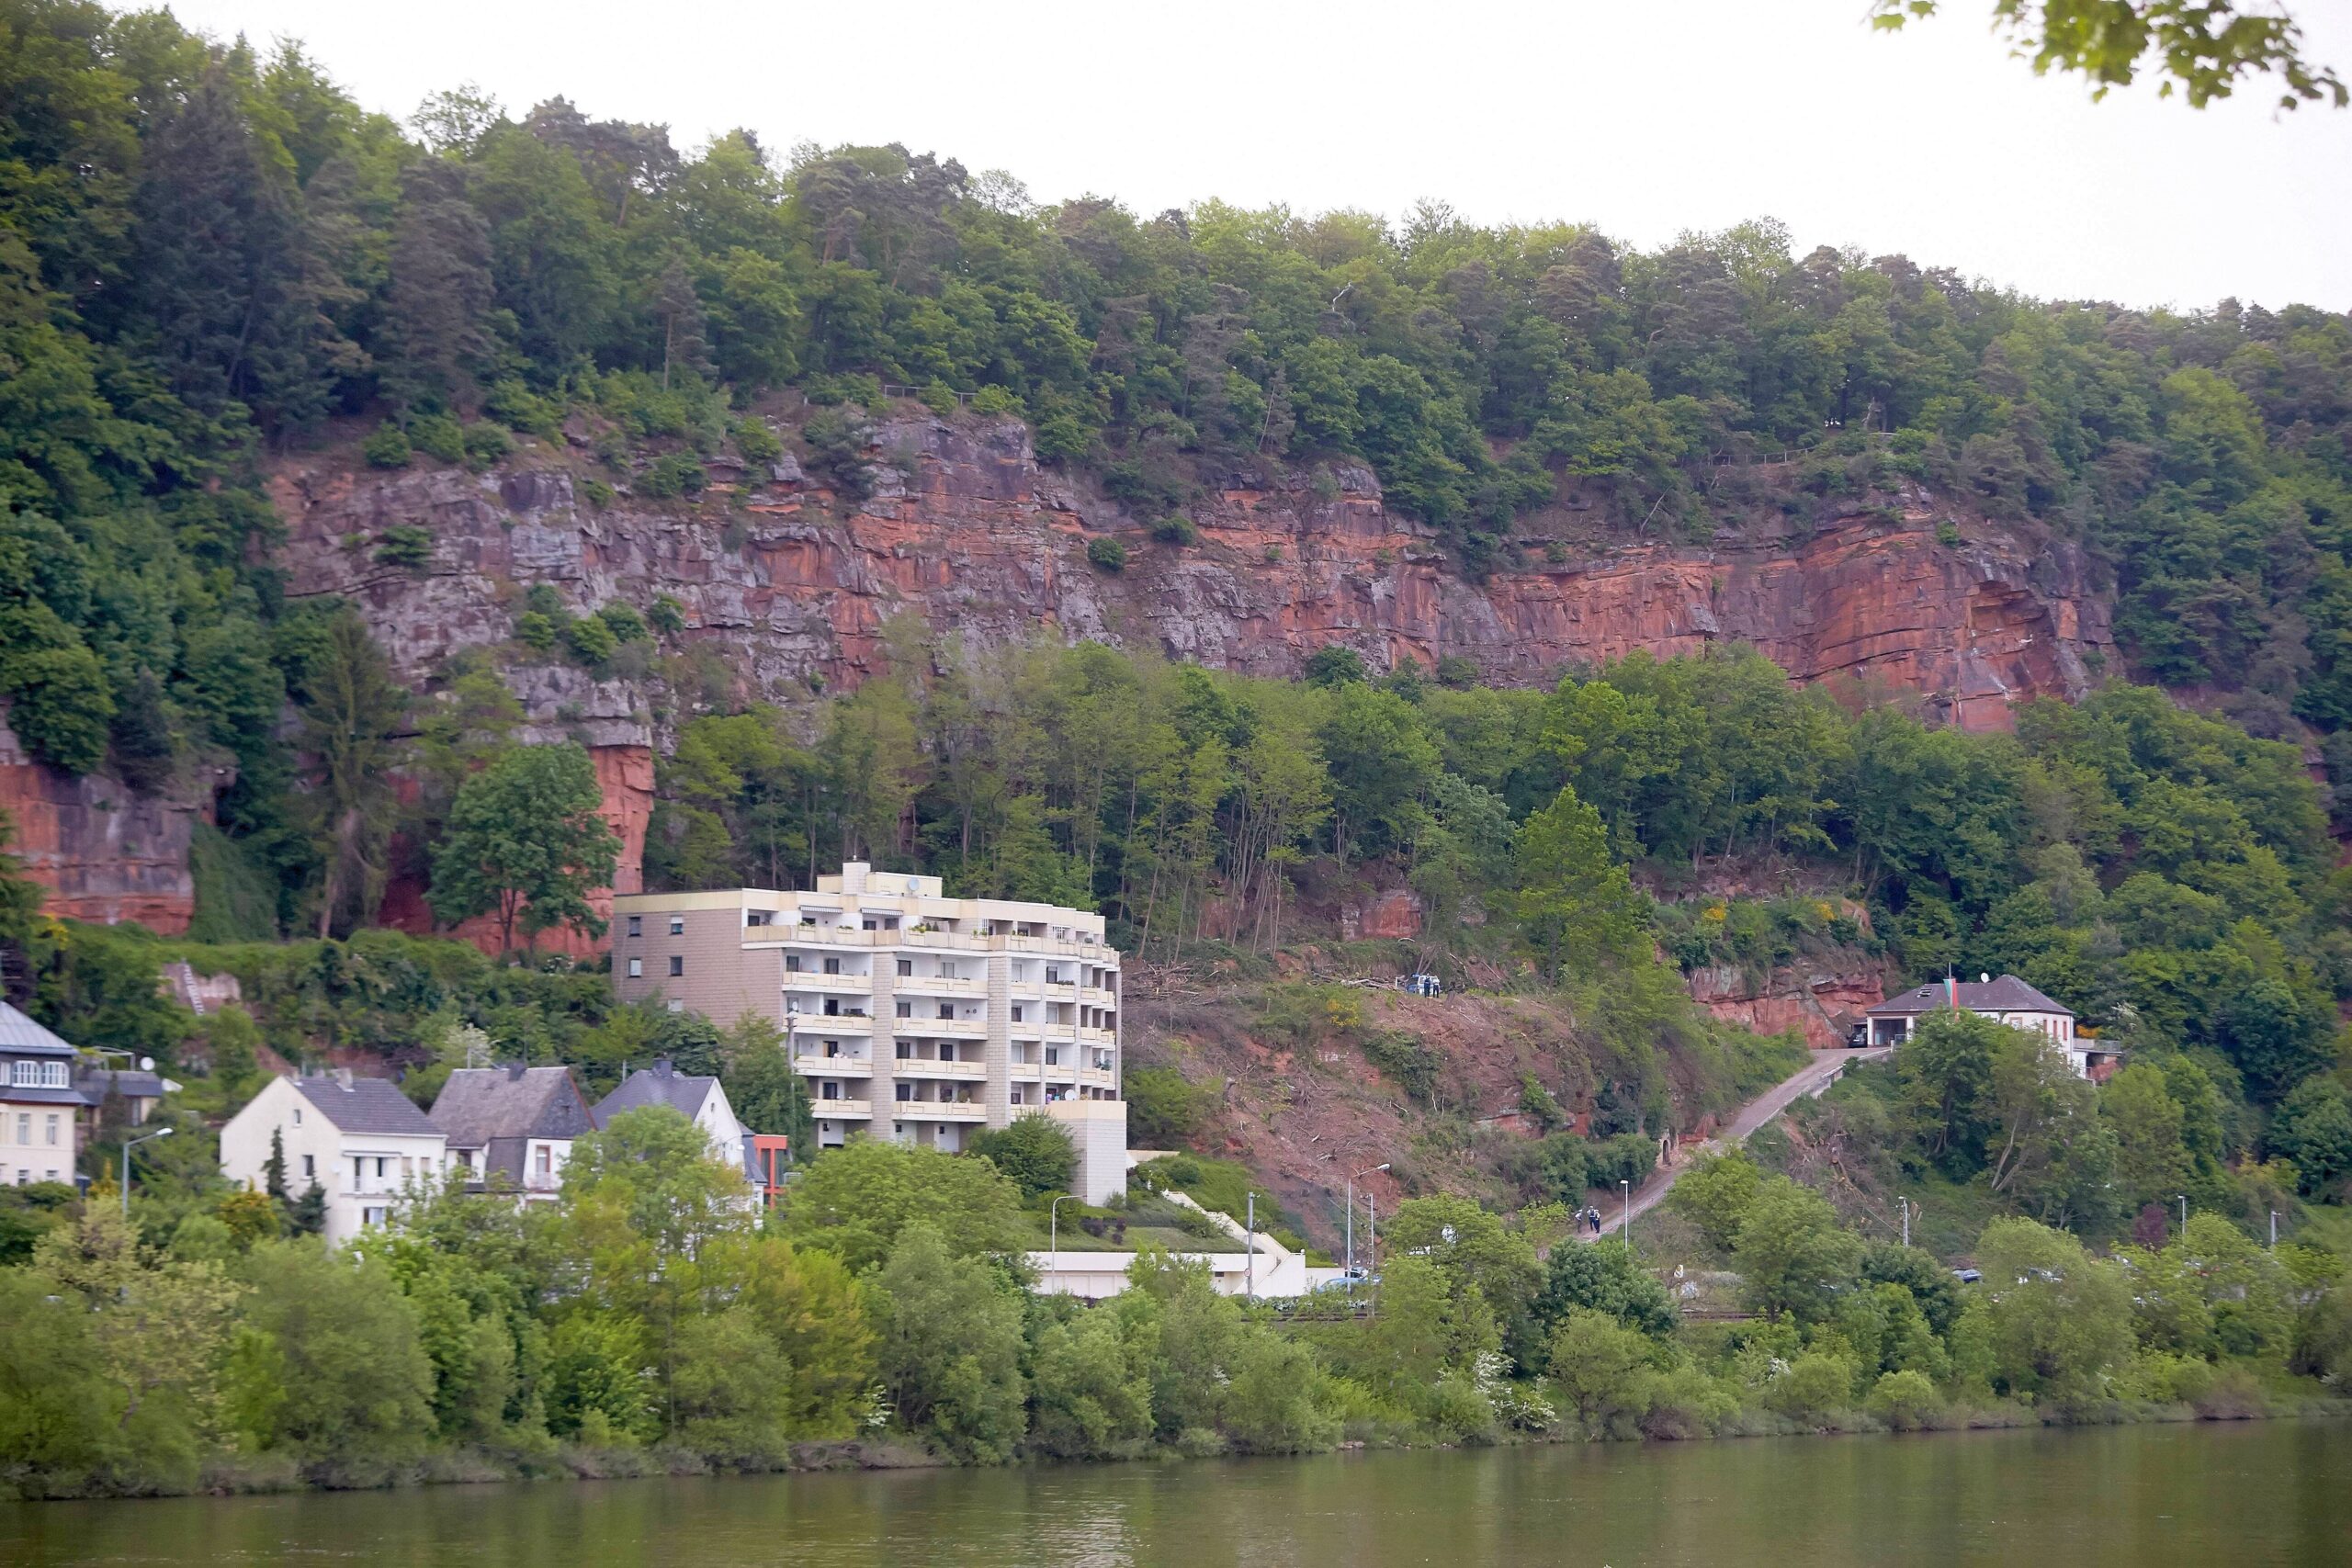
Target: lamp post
x=1352, y=1219
x=2184, y=1209
x=1629, y=1214
x=127, y=1147
x=1054, y=1232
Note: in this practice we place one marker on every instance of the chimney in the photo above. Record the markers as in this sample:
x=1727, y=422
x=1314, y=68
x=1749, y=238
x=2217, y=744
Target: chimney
x=854, y=874
x=514, y=1072
x=662, y=1069
x=342, y=1076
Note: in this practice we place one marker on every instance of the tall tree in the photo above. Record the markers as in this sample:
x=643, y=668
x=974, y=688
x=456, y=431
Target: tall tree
x=524, y=843
x=352, y=711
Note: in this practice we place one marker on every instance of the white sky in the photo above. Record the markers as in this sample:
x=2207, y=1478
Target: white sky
x=1645, y=116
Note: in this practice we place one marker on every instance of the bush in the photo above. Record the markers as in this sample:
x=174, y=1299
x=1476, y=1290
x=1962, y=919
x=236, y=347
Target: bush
x=672, y=475
x=936, y=396
x=590, y=640
x=1035, y=1150
x=1176, y=531
x=1162, y=1109
x=386, y=447
x=1904, y=1400
x=405, y=545
x=484, y=444
x=437, y=435
x=520, y=409
x=756, y=442
x=666, y=616
x=1108, y=554
x=1817, y=1384
x=995, y=400
x=1629, y=1156
x=1948, y=533
x=626, y=625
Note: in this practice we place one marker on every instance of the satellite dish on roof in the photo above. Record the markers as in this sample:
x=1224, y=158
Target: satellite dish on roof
x=1983, y=978
x=146, y=1063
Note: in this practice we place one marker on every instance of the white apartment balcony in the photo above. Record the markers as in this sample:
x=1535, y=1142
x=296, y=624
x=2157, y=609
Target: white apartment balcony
x=811, y=936
x=842, y=1110
x=1098, y=1077
x=939, y=986
x=1099, y=1036
x=940, y=1028
x=827, y=1025
x=851, y=985
x=916, y=1067
x=816, y=1067
x=938, y=1111
x=1096, y=997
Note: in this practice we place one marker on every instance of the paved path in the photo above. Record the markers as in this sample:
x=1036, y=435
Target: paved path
x=1809, y=1080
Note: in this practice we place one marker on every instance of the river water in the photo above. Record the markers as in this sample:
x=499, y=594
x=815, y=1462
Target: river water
x=2265, y=1492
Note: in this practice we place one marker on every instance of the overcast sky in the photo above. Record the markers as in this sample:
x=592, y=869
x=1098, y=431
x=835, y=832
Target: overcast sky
x=1645, y=119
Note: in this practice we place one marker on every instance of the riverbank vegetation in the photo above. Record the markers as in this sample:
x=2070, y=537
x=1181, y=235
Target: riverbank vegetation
x=653, y=1320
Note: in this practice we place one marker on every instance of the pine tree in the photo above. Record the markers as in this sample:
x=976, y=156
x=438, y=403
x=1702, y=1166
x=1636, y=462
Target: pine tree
x=686, y=341
x=274, y=1170
x=308, y=1215
x=355, y=707
x=436, y=311
x=142, y=746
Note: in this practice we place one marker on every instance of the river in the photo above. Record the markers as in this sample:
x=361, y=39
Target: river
x=2265, y=1492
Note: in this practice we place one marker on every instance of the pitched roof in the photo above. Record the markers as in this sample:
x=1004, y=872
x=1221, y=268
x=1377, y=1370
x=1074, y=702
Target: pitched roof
x=480, y=1103
x=22, y=1035
x=660, y=1084
x=367, y=1105
x=2004, y=993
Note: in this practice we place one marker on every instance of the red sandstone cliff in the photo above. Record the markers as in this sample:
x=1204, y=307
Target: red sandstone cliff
x=969, y=534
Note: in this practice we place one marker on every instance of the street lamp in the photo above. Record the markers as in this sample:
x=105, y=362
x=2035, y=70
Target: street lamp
x=127, y=1147
x=1352, y=1219
x=1629, y=1214
x=2184, y=1209
x=1054, y=1232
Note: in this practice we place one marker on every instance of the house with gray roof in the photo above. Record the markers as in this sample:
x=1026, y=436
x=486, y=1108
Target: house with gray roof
x=50, y=1099
x=363, y=1142
x=2005, y=1000
x=698, y=1099
x=512, y=1127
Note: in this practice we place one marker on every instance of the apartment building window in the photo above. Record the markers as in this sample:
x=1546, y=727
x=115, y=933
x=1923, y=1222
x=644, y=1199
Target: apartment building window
x=1052, y=976
x=677, y=925
x=905, y=1009
x=637, y=925
x=1053, y=1056
x=677, y=963
x=832, y=1007
x=832, y=966
x=906, y=967
x=947, y=971
x=1016, y=1012
x=1016, y=1097
x=829, y=1091
x=906, y=1091
x=760, y=917
x=906, y=1051
x=637, y=968
x=792, y=964
x=948, y=1010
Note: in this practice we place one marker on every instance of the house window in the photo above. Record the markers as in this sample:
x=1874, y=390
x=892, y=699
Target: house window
x=310, y=1167
x=677, y=963
x=906, y=967
x=37, y=1075
x=24, y=1127
x=677, y=925
x=545, y=1160
x=637, y=968
x=297, y=1116
x=52, y=1132
x=637, y=925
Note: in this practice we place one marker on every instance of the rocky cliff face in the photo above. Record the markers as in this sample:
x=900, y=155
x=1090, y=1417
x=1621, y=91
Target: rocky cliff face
x=791, y=589
x=104, y=853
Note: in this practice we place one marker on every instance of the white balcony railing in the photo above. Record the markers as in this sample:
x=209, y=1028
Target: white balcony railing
x=805, y=980
x=801, y=1025
x=916, y=1067
x=841, y=1110
x=938, y=1111
x=814, y=1066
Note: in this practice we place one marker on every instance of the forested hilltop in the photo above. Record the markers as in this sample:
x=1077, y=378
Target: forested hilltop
x=221, y=280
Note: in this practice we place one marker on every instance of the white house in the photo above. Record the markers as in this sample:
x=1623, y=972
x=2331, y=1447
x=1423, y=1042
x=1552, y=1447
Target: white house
x=2005, y=1000
x=361, y=1140
x=512, y=1126
x=699, y=1099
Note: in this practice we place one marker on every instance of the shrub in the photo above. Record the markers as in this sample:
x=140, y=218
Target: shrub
x=1948, y=533
x=837, y=440
x=1629, y=1156
x=756, y=442
x=1904, y=1400
x=666, y=616
x=484, y=444
x=1817, y=1384
x=626, y=625
x=1176, y=531
x=590, y=641
x=518, y=408
x=937, y=396
x=1035, y=1151
x=386, y=447
x=437, y=435
x=1108, y=554
x=673, y=474
x=600, y=495
x=1162, y=1109
x=536, y=630
x=405, y=545
x=995, y=400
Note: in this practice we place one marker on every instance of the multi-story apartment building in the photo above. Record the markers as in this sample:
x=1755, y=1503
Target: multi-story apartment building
x=912, y=1015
